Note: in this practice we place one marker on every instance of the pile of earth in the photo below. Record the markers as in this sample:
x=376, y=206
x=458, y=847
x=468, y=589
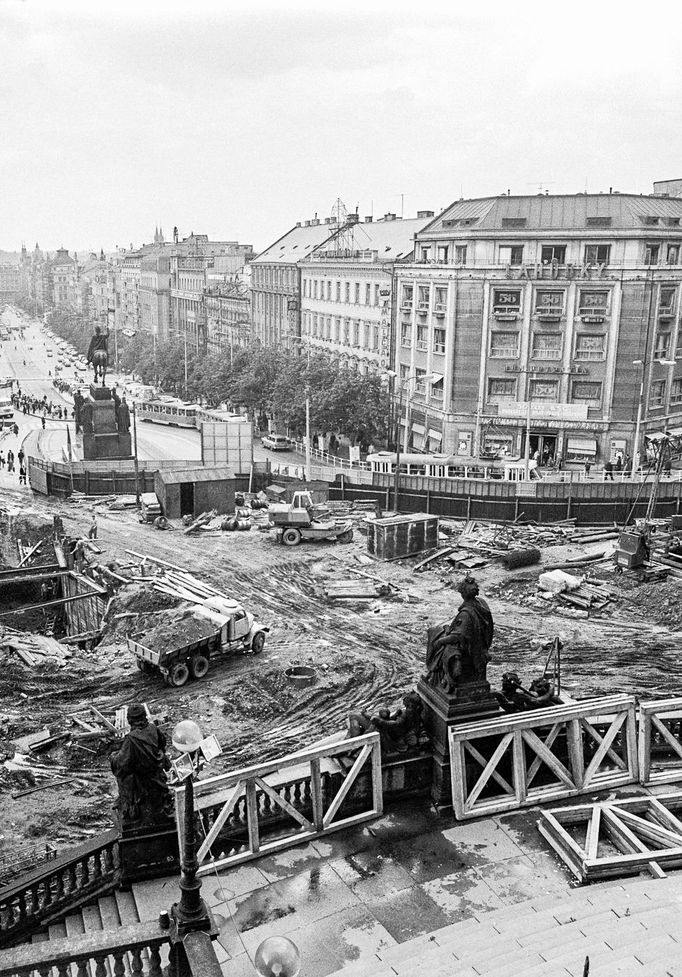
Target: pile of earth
x=177, y=628
x=658, y=601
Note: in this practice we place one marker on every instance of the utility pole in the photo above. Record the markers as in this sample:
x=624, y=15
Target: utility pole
x=137, y=470
x=307, y=437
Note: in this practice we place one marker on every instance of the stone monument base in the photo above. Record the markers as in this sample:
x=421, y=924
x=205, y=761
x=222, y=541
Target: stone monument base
x=467, y=703
x=102, y=439
x=105, y=446
x=147, y=851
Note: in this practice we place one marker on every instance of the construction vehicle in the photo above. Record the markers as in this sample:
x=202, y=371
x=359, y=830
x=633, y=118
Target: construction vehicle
x=214, y=629
x=301, y=519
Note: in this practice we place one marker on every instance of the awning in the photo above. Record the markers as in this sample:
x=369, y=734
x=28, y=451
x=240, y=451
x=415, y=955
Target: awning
x=582, y=446
x=418, y=429
x=435, y=435
x=418, y=441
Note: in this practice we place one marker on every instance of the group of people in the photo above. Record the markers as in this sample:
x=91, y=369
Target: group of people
x=33, y=405
x=11, y=463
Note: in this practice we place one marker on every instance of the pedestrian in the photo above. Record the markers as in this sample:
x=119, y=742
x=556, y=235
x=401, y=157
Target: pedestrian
x=608, y=471
x=2, y=460
x=42, y=422
x=92, y=532
x=21, y=456
x=22, y=474
x=10, y=460
x=16, y=430
x=588, y=465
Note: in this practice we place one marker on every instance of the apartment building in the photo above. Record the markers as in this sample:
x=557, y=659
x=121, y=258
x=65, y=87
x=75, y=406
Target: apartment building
x=347, y=287
x=564, y=309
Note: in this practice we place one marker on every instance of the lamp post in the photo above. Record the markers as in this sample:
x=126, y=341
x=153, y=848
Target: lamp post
x=191, y=912
x=401, y=381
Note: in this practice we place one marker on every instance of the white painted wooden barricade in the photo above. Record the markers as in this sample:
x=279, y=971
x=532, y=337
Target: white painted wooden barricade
x=225, y=791
x=495, y=762
x=660, y=746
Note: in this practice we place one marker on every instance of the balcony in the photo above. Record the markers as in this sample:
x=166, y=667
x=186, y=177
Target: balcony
x=423, y=308
x=546, y=354
x=406, y=307
x=439, y=309
x=549, y=314
x=592, y=315
x=666, y=313
x=506, y=313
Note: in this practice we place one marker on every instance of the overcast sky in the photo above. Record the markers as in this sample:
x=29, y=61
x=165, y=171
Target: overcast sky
x=238, y=119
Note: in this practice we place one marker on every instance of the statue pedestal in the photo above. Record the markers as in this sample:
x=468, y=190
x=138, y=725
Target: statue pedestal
x=441, y=710
x=104, y=441
x=147, y=851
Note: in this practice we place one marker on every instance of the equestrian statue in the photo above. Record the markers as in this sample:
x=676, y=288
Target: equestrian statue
x=98, y=354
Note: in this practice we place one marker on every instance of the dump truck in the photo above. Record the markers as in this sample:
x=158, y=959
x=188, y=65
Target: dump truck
x=301, y=519
x=186, y=647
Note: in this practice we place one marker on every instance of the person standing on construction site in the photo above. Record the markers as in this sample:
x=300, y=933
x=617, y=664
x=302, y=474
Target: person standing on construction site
x=92, y=532
x=140, y=767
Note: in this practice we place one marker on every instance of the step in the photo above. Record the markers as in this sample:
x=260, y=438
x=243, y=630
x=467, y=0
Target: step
x=57, y=931
x=439, y=956
x=408, y=949
x=489, y=960
x=108, y=911
x=127, y=910
x=74, y=925
x=517, y=962
x=607, y=958
x=468, y=932
x=92, y=921
x=41, y=937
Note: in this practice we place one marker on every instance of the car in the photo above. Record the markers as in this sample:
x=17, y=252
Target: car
x=276, y=442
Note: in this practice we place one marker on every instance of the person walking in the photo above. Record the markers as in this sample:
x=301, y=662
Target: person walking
x=92, y=532
x=42, y=422
x=608, y=471
x=10, y=460
x=22, y=475
x=2, y=460
x=21, y=456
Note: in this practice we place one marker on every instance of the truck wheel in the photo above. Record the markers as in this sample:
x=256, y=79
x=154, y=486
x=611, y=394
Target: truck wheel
x=178, y=674
x=258, y=642
x=291, y=537
x=346, y=537
x=198, y=665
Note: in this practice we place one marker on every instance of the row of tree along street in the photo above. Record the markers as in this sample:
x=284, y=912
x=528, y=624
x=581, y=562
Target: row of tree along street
x=267, y=382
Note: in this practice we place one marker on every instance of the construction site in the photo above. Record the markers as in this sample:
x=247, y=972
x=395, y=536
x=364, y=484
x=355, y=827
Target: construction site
x=338, y=631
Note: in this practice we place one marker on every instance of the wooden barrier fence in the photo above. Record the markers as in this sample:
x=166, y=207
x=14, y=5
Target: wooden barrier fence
x=521, y=760
x=236, y=809
x=660, y=741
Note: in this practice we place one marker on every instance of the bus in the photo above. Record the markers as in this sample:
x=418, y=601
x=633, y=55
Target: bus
x=6, y=408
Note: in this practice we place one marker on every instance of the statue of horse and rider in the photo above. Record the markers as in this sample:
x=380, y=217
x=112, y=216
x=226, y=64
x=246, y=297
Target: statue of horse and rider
x=98, y=354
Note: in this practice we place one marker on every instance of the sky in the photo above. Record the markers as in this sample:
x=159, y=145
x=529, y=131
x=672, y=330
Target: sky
x=238, y=119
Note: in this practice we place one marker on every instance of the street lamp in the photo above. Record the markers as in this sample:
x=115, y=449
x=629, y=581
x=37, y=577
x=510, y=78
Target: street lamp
x=277, y=956
x=191, y=912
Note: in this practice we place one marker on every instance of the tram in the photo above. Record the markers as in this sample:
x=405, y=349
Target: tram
x=167, y=411
x=452, y=466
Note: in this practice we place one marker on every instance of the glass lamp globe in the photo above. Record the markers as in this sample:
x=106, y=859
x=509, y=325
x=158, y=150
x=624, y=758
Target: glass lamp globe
x=277, y=957
x=187, y=737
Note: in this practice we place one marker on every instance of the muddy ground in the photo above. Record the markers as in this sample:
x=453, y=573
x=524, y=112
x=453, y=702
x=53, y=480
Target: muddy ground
x=367, y=653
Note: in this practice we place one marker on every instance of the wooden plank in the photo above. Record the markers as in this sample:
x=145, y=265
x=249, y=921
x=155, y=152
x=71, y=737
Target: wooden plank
x=345, y=787
x=644, y=746
x=562, y=843
x=316, y=790
x=217, y=825
x=547, y=757
x=103, y=719
x=593, y=768
x=592, y=837
x=576, y=754
x=377, y=780
x=519, y=767
x=597, y=737
x=500, y=750
x=284, y=804
x=628, y=841
x=458, y=778
x=657, y=835
x=497, y=777
x=674, y=743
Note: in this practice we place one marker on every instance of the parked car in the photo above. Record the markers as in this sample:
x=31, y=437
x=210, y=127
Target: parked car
x=276, y=442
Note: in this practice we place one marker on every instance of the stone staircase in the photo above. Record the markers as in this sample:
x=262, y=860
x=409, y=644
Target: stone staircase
x=628, y=929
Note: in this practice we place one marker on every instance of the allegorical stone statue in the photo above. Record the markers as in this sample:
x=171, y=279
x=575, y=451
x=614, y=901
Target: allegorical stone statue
x=514, y=698
x=459, y=652
x=398, y=732
x=123, y=416
x=140, y=767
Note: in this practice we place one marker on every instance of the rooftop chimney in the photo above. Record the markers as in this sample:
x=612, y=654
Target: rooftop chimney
x=298, y=223
x=314, y=222
x=389, y=217
x=353, y=219
x=425, y=213
x=368, y=220
x=306, y=224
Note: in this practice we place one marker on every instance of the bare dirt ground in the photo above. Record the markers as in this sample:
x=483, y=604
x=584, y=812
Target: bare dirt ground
x=367, y=653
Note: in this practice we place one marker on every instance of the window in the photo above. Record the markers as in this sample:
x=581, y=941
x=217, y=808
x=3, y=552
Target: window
x=315, y=289
x=551, y=302
x=406, y=334
x=425, y=254
x=586, y=392
x=598, y=221
x=419, y=381
x=368, y=294
x=511, y=254
x=597, y=254
x=347, y=291
x=501, y=388
x=651, y=254
x=423, y=298
x=377, y=297
x=507, y=300
x=544, y=389
x=442, y=252
x=460, y=254
x=673, y=254
x=357, y=293
x=404, y=371
x=356, y=333
x=408, y=296
x=422, y=338
x=439, y=340
x=504, y=344
x=338, y=291
x=553, y=252
x=440, y=298
x=666, y=300
x=514, y=221
x=590, y=347
x=437, y=390
x=593, y=302
x=662, y=345
x=657, y=394
x=329, y=292
x=547, y=346
x=337, y=330
x=676, y=391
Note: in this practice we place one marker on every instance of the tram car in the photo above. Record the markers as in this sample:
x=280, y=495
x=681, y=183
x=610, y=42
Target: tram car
x=167, y=411
x=452, y=466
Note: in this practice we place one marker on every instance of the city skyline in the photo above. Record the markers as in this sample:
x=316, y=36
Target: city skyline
x=238, y=124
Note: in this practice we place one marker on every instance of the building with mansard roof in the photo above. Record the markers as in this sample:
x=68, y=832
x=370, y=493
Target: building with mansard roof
x=564, y=309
